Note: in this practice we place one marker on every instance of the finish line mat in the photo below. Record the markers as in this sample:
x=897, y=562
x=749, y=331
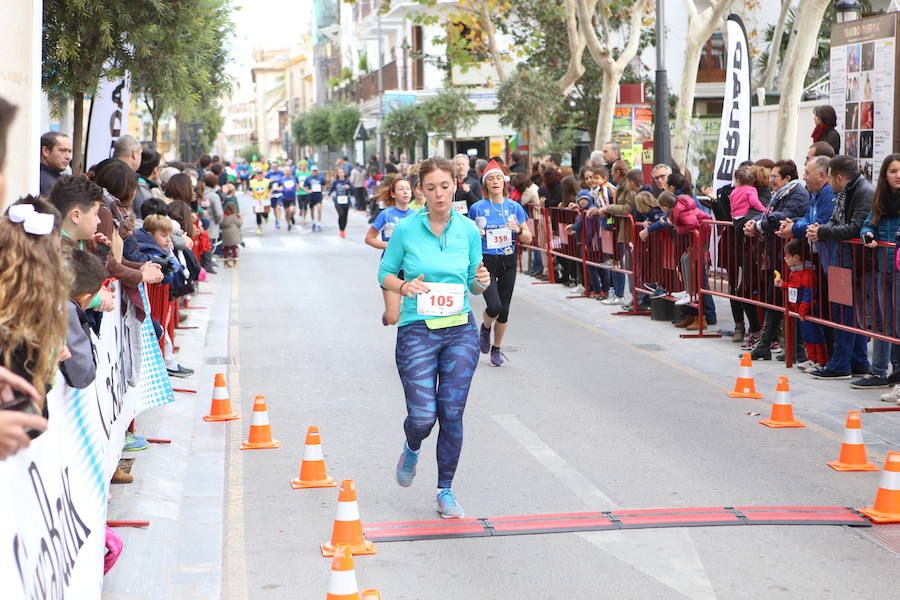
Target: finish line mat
x=609, y=520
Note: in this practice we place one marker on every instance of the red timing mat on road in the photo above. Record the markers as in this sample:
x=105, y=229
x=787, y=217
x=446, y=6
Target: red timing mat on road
x=620, y=519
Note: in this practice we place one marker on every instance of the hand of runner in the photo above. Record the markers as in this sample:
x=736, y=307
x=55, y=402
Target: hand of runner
x=64, y=353
x=483, y=276
x=416, y=286
x=513, y=225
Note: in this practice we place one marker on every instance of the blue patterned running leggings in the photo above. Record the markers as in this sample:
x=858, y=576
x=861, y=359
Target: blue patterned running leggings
x=436, y=368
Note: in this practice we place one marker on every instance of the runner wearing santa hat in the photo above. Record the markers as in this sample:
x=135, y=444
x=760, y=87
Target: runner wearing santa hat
x=500, y=220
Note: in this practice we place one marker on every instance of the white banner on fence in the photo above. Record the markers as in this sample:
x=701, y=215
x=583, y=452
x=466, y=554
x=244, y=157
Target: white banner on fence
x=108, y=119
x=53, y=495
x=734, y=135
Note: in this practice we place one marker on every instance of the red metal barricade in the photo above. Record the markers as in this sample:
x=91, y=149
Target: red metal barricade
x=162, y=308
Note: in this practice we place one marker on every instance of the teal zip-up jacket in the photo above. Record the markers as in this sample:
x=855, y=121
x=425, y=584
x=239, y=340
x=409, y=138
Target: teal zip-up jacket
x=451, y=258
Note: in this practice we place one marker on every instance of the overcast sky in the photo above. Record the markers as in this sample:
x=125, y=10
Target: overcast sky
x=266, y=24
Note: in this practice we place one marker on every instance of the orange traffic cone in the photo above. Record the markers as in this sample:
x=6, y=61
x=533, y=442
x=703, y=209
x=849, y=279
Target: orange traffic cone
x=782, y=410
x=312, y=469
x=260, y=432
x=744, y=386
x=347, y=526
x=853, y=451
x=371, y=595
x=887, y=500
x=342, y=584
x=220, y=408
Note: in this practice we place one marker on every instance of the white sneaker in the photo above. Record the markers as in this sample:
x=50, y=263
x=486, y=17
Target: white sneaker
x=803, y=365
x=579, y=290
x=612, y=300
x=812, y=367
x=682, y=300
x=893, y=395
x=678, y=295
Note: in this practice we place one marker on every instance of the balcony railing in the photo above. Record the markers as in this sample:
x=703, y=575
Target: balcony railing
x=368, y=83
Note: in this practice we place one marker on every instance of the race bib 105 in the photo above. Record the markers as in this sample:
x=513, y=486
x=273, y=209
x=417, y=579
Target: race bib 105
x=443, y=300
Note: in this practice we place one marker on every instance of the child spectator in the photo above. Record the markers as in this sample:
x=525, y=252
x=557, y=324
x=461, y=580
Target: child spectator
x=154, y=240
x=687, y=217
x=88, y=276
x=231, y=234
x=800, y=281
x=745, y=197
x=598, y=284
x=34, y=286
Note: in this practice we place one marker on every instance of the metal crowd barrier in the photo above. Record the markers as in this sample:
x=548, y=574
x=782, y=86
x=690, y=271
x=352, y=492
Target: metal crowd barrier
x=856, y=293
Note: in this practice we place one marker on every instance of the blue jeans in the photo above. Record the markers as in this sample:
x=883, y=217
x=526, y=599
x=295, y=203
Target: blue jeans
x=436, y=368
x=884, y=352
x=850, y=352
x=537, y=262
x=619, y=279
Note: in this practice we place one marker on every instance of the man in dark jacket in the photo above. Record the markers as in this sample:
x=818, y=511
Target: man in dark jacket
x=468, y=188
x=790, y=201
x=56, y=153
x=851, y=206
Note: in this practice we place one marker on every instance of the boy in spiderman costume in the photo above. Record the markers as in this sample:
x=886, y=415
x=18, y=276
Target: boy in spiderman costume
x=800, y=281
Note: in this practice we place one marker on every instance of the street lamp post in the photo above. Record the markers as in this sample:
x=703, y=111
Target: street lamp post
x=380, y=99
x=847, y=10
x=662, y=144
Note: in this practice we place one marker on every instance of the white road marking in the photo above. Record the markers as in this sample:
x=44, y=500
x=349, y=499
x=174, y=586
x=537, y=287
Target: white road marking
x=235, y=567
x=252, y=243
x=667, y=555
x=292, y=242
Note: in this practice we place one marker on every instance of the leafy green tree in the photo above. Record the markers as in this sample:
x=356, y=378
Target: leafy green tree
x=179, y=59
x=318, y=125
x=449, y=112
x=250, y=151
x=528, y=99
x=300, y=130
x=84, y=40
x=404, y=126
x=343, y=121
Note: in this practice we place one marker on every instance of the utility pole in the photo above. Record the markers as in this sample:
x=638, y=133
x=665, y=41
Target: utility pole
x=380, y=99
x=662, y=142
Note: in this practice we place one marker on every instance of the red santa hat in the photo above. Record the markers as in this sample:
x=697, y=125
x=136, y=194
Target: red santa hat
x=493, y=167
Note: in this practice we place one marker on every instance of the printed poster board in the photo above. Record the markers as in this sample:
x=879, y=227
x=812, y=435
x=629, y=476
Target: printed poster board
x=864, y=90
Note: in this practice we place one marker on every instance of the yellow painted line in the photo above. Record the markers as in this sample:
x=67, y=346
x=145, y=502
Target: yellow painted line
x=235, y=550
x=831, y=435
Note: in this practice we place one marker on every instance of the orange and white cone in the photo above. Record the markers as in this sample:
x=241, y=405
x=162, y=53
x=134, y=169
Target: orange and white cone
x=782, y=409
x=342, y=584
x=370, y=595
x=744, y=387
x=260, y=432
x=853, y=450
x=312, y=469
x=347, y=526
x=220, y=407
x=887, y=500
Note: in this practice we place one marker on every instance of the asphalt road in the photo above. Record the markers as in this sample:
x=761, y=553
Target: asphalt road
x=582, y=418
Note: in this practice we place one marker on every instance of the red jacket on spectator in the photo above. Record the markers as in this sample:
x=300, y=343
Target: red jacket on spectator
x=688, y=217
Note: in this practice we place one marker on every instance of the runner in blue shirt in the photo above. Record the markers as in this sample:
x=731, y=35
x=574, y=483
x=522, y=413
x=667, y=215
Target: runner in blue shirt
x=315, y=184
x=243, y=171
x=289, y=185
x=275, y=195
x=341, y=192
x=396, y=197
x=501, y=221
x=438, y=250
